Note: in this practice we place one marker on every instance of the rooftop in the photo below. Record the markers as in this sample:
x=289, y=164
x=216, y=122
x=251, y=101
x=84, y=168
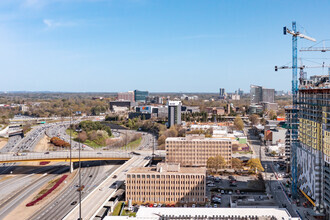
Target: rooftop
x=167, y=168
x=196, y=138
x=262, y=213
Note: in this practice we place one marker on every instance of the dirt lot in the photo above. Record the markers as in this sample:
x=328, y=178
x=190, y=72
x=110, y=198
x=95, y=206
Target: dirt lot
x=23, y=212
x=3, y=142
x=43, y=145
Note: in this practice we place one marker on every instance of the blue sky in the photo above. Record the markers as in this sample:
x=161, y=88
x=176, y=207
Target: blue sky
x=155, y=45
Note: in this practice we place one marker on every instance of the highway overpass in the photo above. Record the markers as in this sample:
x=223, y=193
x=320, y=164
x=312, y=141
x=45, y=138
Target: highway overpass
x=60, y=156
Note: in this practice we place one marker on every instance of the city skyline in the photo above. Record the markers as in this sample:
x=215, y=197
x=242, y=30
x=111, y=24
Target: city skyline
x=101, y=46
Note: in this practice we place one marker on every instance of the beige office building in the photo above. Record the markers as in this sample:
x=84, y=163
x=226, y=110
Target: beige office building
x=195, y=150
x=166, y=184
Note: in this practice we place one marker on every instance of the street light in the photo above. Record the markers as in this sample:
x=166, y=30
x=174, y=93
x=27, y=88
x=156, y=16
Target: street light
x=71, y=165
x=79, y=174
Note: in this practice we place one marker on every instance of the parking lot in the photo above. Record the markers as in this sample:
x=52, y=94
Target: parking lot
x=221, y=189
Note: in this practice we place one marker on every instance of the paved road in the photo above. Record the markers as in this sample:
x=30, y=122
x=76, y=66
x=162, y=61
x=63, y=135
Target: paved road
x=95, y=201
x=62, y=204
x=58, y=130
x=19, y=197
x=65, y=155
x=273, y=185
x=18, y=181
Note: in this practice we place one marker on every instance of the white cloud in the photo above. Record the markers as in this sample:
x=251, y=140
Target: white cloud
x=53, y=24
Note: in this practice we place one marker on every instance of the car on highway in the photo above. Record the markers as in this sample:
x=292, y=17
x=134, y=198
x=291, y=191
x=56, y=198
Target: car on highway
x=74, y=202
x=98, y=153
x=47, y=152
x=114, y=176
x=135, y=153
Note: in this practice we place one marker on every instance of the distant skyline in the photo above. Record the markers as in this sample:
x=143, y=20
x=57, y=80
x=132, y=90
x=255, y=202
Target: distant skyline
x=155, y=45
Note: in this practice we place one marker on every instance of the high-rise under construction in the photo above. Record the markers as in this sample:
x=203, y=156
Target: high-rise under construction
x=313, y=152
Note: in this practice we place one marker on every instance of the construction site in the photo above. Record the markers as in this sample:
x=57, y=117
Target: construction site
x=308, y=133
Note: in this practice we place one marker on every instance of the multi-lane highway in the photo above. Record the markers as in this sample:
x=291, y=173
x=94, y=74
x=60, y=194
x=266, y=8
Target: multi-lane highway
x=14, y=200
x=16, y=189
x=95, y=201
x=58, y=130
x=67, y=199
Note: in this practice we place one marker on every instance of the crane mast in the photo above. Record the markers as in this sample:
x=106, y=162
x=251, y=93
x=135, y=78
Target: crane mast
x=295, y=34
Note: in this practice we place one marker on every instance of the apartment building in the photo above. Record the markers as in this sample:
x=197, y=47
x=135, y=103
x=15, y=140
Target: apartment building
x=291, y=135
x=195, y=150
x=166, y=183
x=174, y=113
x=313, y=152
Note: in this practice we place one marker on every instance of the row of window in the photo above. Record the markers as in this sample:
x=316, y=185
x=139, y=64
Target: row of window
x=167, y=199
x=158, y=176
x=138, y=193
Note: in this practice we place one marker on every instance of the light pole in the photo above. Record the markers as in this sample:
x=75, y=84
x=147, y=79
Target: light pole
x=79, y=184
x=71, y=165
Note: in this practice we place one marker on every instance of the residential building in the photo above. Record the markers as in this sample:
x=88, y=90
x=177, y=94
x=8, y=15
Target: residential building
x=256, y=94
x=215, y=110
x=291, y=135
x=313, y=151
x=268, y=95
x=166, y=183
x=259, y=94
x=126, y=96
x=222, y=93
x=174, y=113
x=235, y=97
x=140, y=96
x=196, y=150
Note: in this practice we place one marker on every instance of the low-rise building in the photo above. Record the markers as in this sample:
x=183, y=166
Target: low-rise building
x=126, y=96
x=166, y=183
x=196, y=150
x=120, y=106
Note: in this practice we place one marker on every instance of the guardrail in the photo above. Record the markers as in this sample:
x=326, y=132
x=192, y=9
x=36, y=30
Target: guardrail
x=62, y=155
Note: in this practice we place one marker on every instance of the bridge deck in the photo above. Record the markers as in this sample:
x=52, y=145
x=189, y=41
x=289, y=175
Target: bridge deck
x=63, y=156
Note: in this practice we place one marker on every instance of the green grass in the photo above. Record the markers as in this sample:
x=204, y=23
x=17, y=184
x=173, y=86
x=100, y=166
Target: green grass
x=132, y=145
x=87, y=142
x=128, y=213
x=116, y=210
x=74, y=133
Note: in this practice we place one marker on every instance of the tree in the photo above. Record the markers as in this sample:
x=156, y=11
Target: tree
x=236, y=163
x=211, y=163
x=254, y=119
x=273, y=153
x=238, y=123
x=255, y=165
x=82, y=136
x=272, y=115
x=219, y=163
